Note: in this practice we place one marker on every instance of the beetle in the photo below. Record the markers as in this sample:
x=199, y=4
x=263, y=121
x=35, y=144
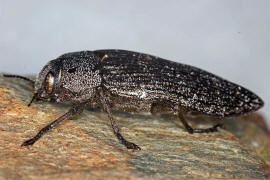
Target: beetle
x=137, y=82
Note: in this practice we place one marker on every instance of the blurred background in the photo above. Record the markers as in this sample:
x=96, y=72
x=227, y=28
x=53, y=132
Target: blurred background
x=228, y=38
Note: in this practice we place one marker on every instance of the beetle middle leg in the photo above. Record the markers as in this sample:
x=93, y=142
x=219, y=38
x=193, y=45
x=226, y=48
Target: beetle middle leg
x=116, y=130
x=197, y=130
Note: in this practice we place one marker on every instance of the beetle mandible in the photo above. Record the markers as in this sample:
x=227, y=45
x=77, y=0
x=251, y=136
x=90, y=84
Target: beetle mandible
x=137, y=82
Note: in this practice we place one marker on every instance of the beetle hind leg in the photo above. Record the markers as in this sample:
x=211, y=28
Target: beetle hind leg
x=207, y=130
x=197, y=130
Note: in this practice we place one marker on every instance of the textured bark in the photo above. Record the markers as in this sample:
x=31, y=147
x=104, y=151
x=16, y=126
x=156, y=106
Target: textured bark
x=84, y=147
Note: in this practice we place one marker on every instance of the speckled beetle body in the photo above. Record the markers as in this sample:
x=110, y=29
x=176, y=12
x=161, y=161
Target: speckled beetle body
x=136, y=82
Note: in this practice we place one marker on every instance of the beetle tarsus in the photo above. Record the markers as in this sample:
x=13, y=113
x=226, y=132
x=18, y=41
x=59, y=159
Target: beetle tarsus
x=29, y=142
x=129, y=145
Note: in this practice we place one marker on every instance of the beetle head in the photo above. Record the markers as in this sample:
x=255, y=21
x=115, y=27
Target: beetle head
x=71, y=77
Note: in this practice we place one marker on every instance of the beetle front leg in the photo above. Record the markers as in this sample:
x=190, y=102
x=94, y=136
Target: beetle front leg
x=44, y=130
x=116, y=130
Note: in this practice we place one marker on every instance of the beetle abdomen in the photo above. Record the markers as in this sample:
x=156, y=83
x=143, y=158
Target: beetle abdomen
x=147, y=77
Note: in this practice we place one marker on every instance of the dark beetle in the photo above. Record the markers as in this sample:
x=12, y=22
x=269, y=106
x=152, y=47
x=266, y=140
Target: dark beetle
x=131, y=81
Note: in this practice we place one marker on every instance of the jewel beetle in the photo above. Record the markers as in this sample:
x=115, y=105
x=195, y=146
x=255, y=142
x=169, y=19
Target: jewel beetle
x=136, y=82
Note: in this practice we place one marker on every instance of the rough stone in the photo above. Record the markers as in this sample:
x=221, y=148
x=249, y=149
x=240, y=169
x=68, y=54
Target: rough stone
x=84, y=147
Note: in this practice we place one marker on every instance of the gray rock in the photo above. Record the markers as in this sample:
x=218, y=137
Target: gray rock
x=86, y=148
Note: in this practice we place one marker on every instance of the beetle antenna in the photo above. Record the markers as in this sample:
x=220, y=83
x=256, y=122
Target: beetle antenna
x=33, y=98
x=19, y=77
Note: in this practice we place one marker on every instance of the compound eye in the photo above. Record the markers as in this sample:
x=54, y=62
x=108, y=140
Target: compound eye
x=49, y=81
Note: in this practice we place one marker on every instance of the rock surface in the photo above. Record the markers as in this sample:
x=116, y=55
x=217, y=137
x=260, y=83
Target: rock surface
x=86, y=148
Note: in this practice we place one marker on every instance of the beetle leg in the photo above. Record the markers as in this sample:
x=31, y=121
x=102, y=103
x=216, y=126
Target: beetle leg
x=197, y=130
x=207, y=130
x=187, y=126
x=116, y=130
x=71, y=112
